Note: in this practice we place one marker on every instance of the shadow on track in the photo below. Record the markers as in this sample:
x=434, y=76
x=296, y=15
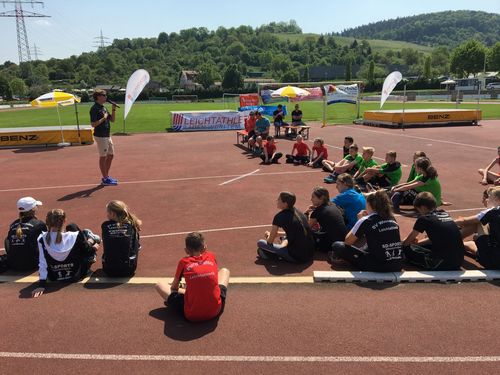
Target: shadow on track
x=178, y=328
x=87, y=193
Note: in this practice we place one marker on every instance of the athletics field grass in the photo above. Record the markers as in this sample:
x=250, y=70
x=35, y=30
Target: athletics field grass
x=148, y=117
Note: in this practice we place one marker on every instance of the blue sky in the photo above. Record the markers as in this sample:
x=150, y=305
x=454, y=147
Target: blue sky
x=74, y=24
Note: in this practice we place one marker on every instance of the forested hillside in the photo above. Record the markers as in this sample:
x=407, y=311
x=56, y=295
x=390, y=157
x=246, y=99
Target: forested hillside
x=448, y=28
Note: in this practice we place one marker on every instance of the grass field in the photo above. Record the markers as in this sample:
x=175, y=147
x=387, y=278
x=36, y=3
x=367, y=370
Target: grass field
x=147, y=117
x=377, y=45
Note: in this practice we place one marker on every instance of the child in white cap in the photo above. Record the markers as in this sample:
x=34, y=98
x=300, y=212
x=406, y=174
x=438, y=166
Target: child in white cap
x=21, y=242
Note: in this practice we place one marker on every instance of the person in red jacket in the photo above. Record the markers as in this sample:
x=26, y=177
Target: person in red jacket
x=205, y=293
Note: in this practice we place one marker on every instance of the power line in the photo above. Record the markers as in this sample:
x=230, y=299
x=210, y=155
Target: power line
x=101, y=41
x=23, y=47
x=36, y=52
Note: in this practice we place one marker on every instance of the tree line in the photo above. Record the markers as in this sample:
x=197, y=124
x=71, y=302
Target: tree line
x=230, y=54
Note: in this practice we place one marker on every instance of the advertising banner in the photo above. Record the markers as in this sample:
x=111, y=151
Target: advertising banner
x=390, y=82
x=47, y=135
x=264, y=109
x=206, y=120
x=135, y=84
x=315, y=93
x=249, y=100
x=267, y=98
x=341, y=94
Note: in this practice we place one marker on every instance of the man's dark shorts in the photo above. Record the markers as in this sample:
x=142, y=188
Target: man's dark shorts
x=176, y=301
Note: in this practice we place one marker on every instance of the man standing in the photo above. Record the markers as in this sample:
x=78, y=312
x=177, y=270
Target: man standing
x=99, y=119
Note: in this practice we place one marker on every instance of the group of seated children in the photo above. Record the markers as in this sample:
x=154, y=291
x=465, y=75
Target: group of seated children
x=361, y=229
x=64, y=252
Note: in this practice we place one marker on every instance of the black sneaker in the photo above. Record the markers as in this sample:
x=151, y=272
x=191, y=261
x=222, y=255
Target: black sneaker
x=262, y=254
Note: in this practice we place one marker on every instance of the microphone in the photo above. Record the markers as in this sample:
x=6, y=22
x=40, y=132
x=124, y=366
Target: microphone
x=112, y=103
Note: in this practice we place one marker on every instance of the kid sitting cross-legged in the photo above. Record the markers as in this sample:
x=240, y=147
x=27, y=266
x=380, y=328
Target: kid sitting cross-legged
x=206, y=287
x=366, y=163
x=270, y=154
x=385, y=175
x=319, y=153
x=303, y=152
x=347, y=165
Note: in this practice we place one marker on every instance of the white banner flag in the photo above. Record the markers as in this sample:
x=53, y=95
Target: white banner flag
x=390, y=82
x=135, y=84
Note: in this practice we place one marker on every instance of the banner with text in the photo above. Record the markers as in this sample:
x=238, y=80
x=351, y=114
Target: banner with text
x=264, y=109
x=341, y=94
x=200, y=121
x=315, y=93
x=267, y=98
x=249, y=99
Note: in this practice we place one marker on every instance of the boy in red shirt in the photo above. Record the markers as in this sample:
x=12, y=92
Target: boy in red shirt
x=206, y=287
x=319, y=153
x=270, y=155
x=303, y=154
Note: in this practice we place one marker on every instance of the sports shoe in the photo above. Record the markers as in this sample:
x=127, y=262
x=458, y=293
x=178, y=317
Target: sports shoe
x=107, y=182
x=262, y=254
x=330, y=179
x=113, y=179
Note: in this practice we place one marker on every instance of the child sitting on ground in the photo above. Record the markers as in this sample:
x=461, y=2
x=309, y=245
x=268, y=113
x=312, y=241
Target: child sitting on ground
x=21, y=243
x=385, y=175
x=347, y=165
x=488, y=176
x=486, y=243
x=348, y=141
x=64, y=255
x=303, y=152
x=443, y=250
x=120, y=238
x=329, y=165
x=366, y=163
x=319, y=153
x=270, y=154
x=413, y=173
x=205, y=294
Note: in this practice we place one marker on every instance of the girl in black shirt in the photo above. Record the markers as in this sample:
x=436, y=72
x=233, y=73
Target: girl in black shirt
x=120, y=236
x=298, y=245
x=329, y=218
x=21, y=242
x=377, y=228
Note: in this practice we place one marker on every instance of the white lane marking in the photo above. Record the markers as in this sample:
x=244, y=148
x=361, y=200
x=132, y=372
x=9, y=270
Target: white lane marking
x=206, y=231
x=425, y=138
x=247, y=358
x=157, y=181
x=375, y=157
x=239, y=177
x=153, y=280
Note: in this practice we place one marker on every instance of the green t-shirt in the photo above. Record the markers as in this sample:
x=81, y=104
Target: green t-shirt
x=366, y=164
x=432, y=185
x=358, y=159
x=392, y=171
x=413, y=174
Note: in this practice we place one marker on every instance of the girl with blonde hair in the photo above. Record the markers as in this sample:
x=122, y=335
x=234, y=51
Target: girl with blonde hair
x=120, y=235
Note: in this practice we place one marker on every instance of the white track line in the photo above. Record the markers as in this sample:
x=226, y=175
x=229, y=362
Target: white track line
x=248, y=358
x=424, y=138
x=206, y=231
x=157, y=181
x=239, y=177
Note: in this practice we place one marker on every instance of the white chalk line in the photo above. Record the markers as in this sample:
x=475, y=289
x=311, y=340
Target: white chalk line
x=206, y=231
x=248, y=358
x=157, y=181
x=375, y=157
x=239, y=177
x=424, y=138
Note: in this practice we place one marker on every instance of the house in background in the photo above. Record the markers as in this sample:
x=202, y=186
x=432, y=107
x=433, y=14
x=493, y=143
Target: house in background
x=187, y=80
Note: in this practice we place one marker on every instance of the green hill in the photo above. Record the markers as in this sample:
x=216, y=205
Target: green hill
x=448, y=28
x=377, y=45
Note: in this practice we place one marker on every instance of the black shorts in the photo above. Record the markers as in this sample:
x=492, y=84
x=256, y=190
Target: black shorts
x=488, y=253
x=176, y=301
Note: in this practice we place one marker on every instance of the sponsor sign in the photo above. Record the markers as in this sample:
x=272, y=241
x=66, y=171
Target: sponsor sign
x=203, y=120
x=37, y=136
x=249, y=100
x=341, y=94
x=315, y=93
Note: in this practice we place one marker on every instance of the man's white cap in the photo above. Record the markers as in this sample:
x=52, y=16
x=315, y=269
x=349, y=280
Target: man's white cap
x=27, y=204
